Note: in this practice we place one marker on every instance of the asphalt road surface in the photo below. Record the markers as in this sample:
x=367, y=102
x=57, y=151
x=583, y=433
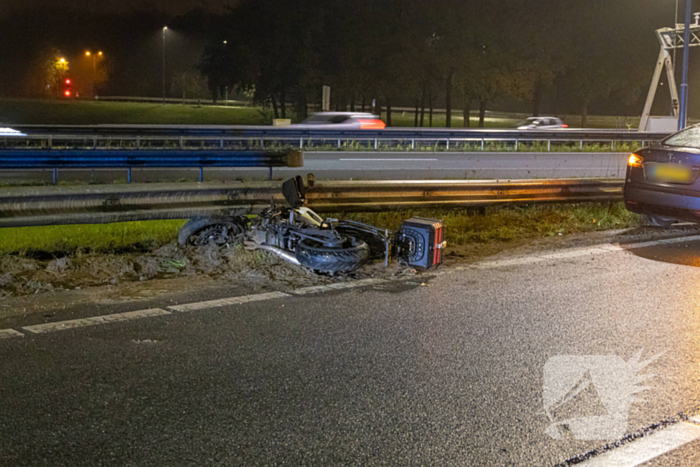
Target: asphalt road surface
x=367, y=165
x=444, y=369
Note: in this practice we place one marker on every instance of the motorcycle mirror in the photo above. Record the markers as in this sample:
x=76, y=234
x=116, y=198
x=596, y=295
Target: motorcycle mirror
x=294, y=191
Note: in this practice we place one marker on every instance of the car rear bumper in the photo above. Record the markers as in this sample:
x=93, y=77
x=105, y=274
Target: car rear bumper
x=682, y=204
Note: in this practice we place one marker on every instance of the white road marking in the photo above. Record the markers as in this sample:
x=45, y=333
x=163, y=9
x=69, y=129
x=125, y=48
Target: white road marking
x=228, y=301
x=578, y=252
x=9, y=333
x=645, y=449
x=390, y=160
x=338, y=286
x=95, y=320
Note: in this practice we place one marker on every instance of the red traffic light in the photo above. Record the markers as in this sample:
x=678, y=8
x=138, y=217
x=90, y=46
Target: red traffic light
x=67, y=93
x=67, y=81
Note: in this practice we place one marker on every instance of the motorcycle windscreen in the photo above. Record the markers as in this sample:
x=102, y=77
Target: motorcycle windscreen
x=294, y=191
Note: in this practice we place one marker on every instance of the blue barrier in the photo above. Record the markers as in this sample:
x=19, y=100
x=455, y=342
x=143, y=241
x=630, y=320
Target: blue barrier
x=128, y=159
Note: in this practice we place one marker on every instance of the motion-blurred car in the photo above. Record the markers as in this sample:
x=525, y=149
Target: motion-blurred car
x=662, y=180
x=542, y=123
x=5, y=131
x=341, y=121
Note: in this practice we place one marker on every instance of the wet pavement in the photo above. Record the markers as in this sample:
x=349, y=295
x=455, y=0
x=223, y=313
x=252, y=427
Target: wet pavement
x=444, y=371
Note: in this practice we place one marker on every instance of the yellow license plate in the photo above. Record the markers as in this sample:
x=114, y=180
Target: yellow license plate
x=673, y=173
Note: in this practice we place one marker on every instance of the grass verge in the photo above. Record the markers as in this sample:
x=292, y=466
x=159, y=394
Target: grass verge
x=510, y=223
x=469, y=226
x=97, y=238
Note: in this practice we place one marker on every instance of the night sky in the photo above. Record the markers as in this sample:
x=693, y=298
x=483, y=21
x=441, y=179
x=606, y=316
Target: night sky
x=169, y=6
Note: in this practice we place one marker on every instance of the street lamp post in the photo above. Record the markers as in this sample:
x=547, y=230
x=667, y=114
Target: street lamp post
x=94, y=69
x=165, y=28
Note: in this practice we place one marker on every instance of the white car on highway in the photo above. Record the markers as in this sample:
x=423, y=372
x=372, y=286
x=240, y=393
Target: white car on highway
x=5, y=131
x=542, y=123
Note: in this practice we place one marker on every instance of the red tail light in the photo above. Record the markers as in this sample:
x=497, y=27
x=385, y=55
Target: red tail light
x=564, y=125
x=373, y=124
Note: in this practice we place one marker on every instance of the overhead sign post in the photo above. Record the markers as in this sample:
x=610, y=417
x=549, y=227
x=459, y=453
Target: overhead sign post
x=683, y=120
x=670, y=39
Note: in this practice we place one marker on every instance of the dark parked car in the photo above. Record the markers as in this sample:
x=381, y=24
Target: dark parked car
x=662, y=180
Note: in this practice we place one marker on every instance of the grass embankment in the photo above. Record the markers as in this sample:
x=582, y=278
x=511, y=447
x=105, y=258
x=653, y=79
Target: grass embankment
x=497, y=224
x=71, y=112
x=86, y=112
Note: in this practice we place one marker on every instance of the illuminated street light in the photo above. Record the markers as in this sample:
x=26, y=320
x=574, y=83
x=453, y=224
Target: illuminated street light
x=165, y=28
x=94, y=68
x=62, y=60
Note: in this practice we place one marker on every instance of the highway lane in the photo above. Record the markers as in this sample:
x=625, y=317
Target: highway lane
x=442, y=370
x=366, y=165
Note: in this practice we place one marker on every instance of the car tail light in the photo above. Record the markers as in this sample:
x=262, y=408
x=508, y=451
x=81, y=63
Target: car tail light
x=373, y=124
x=635, y=160
x=564, y=125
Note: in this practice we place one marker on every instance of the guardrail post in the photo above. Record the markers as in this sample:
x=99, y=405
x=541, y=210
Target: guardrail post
x=94, y=142
x=516, y=144
x=55, y=175
x=581, y=145
x=128, y=175
x=612, y=146
x=138, y=142
x=269, y=175
x=262, y=143
x=221, y=145
x=301, y=143
x=182, y=142
x=201, y=174
x=448, y=144
x=338, y=143
x=375, y=143
x=482, y=144
x=549, y=145
x=413, y=143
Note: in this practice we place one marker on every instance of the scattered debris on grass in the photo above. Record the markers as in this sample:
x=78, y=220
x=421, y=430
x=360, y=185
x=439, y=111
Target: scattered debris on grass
x=46, y=259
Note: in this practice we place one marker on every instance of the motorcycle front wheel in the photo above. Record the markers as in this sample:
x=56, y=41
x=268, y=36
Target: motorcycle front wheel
x=346, y=258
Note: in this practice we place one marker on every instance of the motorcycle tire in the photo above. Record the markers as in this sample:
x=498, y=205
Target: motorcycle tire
x=191, y=232
x=377, y=246
x=331, y=260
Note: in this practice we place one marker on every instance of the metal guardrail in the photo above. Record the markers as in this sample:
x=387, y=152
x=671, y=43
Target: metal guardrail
x=36, y=206
x=385, y=140
x=48, y=158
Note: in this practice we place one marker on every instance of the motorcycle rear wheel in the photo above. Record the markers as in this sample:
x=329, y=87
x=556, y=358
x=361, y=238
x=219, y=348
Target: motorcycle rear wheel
x=315, y=256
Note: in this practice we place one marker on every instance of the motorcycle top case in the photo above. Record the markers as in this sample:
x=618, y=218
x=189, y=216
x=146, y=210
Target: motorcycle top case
x=421, y=242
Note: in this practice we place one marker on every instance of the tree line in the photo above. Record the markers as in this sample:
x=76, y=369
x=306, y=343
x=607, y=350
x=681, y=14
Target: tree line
x=463, y=54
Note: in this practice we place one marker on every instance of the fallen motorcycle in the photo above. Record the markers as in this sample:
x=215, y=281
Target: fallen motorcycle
x=301, y=236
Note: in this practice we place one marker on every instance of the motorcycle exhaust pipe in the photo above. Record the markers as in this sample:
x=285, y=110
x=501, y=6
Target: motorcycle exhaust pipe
x=278, y=251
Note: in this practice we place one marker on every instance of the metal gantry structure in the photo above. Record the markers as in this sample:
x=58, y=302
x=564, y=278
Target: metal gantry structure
x=670, y=39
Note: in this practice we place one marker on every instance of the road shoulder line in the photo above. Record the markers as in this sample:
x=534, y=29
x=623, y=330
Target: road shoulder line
x=338, y=286
x=9, y=333
x=648, y=448
x=94, y=320
x=227, y=301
